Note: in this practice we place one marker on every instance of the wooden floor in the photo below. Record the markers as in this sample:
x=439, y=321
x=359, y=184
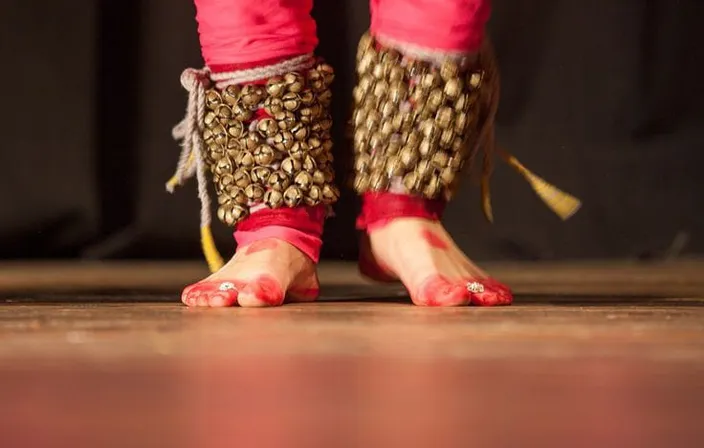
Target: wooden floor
x=591, y=355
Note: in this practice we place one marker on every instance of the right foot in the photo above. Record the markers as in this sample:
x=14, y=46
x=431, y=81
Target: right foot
x=261, y=274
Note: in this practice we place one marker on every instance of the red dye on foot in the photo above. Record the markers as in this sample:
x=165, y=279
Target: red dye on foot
x=437, y=290
x=209, y=294
x=434, y=240
x=266, y=289
x=261, y=245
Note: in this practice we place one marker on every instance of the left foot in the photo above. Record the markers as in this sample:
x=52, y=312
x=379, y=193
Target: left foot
x=421, y=254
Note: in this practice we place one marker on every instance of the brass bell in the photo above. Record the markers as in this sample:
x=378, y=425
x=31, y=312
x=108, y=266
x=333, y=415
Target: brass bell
x=412, y=182
x=376, y=141
x=453, y=88
x=283, y=141
x=279, y=180
x=251, y=95
x=366, y=43
x=378, y=181
x=394, y=167
x=224, y=113
x=397, y=74
x=381, y=89
x=413, y=140
x=216, y=152
x=430, y=80
x=358, y=95
x=330, y=194
x=361, y=182
x=391, y=57
x=225, y=181
x=432, y=188
x=242, y=113
x=424, y=169
x=361, y=136
x=426, y=149
x=210, y=119
x=313, y=196
x=362, y=162
x=224, y=166
x=419, y=96
x=273, y=199
x=250, y=141
x=315, y=80
x=418, y=68
x=456, y=163
x=275, y=87
x=461, y=123
x=300, y=132
x=237, y=195
x=447, y=137
x=294, y=82
x=449, y=69
x=409, y=157
x=212, y=99
x=388, y=109
x=286, y=120
x=366, y=85
x=244, y=159
x=379, y=71
x=219, y=135
x=435, y=99
x=303, y=180
x=429, y=130
x=273, y=106
x=318, y=177
x=447, y=176
x=315, y=144
x=309, y=164
x=329, y=173
x=458, y=145
x=231, y=94
x=241, y=178
x=475, y=80
x=444, y=117
x=290, y=166
x=394, y=143
x=440, y=160
x=325, y=97
x=398, y=93
x=254, y=192
x=267, y=127
x=233, y=214
x=327, y=145
x=307, y=97
x=235, y=128
x=298, y=150
x=462, y=103
x=264, y=155
x=293, y=196
x=327, y=72
x=291, y=101
x=325, y=124
x=366, y=63
x=260, y=174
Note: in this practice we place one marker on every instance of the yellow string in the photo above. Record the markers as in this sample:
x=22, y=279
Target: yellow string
x=212, y=256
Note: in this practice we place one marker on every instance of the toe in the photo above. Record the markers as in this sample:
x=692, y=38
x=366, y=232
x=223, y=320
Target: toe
x=437, y=290
x=263, y=291
x=494, y=294
x=208, y=294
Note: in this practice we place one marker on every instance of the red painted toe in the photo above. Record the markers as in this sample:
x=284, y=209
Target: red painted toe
x=437, y=290
x=265, y=289
x=495, y=294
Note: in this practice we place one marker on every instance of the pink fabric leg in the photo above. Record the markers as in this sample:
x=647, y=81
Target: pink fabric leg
x=444, y=25
x=244, y=31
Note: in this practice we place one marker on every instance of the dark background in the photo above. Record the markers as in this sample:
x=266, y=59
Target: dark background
x=602, y=98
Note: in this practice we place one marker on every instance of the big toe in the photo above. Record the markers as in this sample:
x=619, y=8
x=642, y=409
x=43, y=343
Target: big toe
x=437, y=290
x=263, y=291
x=493, y=293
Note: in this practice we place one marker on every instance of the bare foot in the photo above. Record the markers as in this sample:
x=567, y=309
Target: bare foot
x=422, y=255
x=260, y=274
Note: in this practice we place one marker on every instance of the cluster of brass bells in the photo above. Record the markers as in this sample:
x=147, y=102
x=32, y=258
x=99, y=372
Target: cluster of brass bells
x=282, y=158
x=414, y=123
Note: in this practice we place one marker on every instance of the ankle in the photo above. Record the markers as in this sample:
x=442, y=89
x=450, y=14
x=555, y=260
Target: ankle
x=381, y=208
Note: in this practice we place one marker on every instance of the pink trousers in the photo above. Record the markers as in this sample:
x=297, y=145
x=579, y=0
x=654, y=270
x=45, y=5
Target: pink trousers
x=245, y=32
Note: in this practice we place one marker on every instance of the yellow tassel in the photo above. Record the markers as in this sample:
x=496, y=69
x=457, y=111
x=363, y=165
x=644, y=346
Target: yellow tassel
x=212, y=256
x=486, y=198
x=172, y=183
x=563, y=204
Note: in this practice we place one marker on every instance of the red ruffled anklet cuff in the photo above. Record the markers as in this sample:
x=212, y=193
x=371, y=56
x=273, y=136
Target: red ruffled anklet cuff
x=380, y=208
x=302, y=227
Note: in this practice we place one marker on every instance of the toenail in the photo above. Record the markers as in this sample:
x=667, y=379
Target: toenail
x=227, y=286
x=475, y=287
